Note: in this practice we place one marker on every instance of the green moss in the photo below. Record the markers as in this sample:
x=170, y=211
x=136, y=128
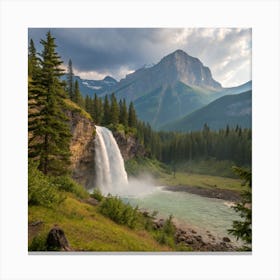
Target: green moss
x=70, y=105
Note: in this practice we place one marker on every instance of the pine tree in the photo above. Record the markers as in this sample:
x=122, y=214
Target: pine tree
x=123, y=113
x=87, y=103
x=48, y=129
x=77, y=95
x=115, y=112
x=33, y=63
x=132, y=118
x=100, y=111
x=107, y=111
x=97, y=109
x=243, y=229
x=70, y=80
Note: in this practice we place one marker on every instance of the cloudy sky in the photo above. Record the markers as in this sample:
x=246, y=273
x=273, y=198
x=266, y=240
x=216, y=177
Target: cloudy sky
x=98, y=52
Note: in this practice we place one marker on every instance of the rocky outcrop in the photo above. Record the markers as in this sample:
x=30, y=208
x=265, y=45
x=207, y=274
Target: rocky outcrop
x=129, y=146
x=195, y=241
x=82, y=148
x=57, y=240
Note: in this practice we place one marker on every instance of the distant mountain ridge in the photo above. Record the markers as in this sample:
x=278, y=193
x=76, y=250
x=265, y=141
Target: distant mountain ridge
x=90, y=87
x=229, y=110
x=167, y=91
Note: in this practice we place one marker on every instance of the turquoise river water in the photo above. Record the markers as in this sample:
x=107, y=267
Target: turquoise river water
x=197, y=212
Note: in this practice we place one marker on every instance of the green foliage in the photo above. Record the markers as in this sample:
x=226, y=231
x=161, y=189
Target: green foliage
x=66, y=183
x=41, y=190
x=114, y=110
x=166, y=235
x=132, y=118
x=97, y=110
x=106, y=110
x=210, y=166
x=141, y=165
x=38, y=243
x=119, y=212
x=73, y=107
x=77, y=98
x=243, y=229
x=88, y=230
x=47, y=123
x=123, y=113
x=33, y=63
x=97, y=194
x=125, y=214
x=70, y=80
x=234, y=144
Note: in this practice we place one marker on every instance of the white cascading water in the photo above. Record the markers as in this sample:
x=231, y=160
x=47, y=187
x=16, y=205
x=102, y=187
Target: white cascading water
x=109, y=163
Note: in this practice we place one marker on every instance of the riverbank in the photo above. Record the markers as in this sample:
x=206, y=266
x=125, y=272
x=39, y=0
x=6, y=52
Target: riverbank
x=199, y=240
x=225, y=194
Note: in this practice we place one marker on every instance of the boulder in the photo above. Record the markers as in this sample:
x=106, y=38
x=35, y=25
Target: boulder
x=91, y=201
x=226, y=239
x=57, y=240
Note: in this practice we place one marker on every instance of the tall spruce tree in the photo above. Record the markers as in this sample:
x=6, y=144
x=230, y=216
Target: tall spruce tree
x=115, y=112
x=123, y=113
x=97, y=109
x=48, y=129
x=107, y=111
x=70, y=80
x=132, y=118
x=33, y=63
x=77, y=98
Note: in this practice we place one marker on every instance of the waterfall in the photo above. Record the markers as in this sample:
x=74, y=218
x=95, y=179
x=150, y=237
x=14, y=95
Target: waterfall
x=109, y=163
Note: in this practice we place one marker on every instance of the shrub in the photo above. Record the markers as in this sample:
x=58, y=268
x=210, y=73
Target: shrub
x=166, y=235
x=38, y=243
x=119, y=212
x=41, y=190
x=97, y=194
x=66, y=183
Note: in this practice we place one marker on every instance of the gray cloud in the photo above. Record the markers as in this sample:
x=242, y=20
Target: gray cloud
x=116, y=51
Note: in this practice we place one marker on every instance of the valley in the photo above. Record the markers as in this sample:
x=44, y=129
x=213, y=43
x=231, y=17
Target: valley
x=157, y=161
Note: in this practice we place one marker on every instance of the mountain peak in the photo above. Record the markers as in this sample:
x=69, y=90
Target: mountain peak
x=189, y=70
x=109, y=79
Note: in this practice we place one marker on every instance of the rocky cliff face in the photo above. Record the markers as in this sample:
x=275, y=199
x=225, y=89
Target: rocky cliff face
x=129, y=146
x=173, y=68
x=182, y=67
x=82, y=148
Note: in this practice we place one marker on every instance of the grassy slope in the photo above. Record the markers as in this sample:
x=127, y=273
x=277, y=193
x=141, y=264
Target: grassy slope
x=203, y=181
x=88, y=230
x=164, y=176
x=73, y=107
